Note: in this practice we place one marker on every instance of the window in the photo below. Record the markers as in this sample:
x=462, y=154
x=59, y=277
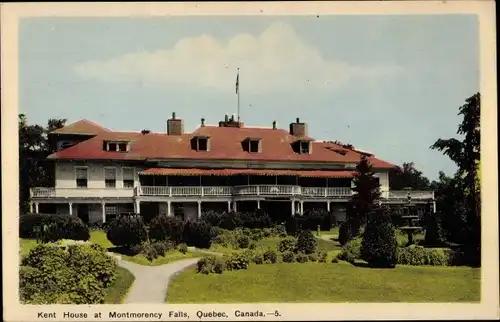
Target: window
x=253, y=146
x=111, y=146
x=202, y=144
x=128, y=177
x=304, y=147
x=115, y=146
x=81, y=177
x=122, y=147
x=110, y=177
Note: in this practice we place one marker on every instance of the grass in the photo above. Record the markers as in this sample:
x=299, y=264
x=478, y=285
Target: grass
x=117, y=292
x=320, y=282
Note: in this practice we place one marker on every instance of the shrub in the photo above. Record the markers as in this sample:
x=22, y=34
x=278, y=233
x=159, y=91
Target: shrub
x=287, y=244
x=302, y=258
x=243, y=241
x=150, y=252
x=292, y=226
x=127, y=230
x=183, y=248
x=279, y=231
x=306, y=243
x=252, y=245
x=197, y=233
x=210, y=264
x=162, y=247
x=51, y=227
x=313, y=257
x=257, y=219
x=433, y=231
x=77, y=274
x=258, y=258
x=345, y=233
x=322, y=256
x=270, y=256
x=212, y=217
x=237, y=261
x=268, y=232
x=335, y=259
x=230, y=220
x=351, y=251
x=288, y=256
x=315, y=218
x=418, y=255
x=379, y=240
x=164, y=227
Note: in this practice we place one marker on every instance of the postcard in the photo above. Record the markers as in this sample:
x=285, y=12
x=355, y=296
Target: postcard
x=253, y=161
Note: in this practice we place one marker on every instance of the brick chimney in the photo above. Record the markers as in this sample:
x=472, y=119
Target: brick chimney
x=298, y=129
x=175, y=126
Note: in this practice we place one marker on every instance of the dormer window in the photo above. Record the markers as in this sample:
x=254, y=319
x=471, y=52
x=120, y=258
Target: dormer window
x=302, y=146
x=200, y=143
x=116, y=146
x=252, y=145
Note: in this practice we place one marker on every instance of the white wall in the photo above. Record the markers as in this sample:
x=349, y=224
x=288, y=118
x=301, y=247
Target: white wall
x=65, y=175
x=384, y=180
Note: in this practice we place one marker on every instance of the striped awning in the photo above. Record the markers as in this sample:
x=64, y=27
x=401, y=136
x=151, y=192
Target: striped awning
x=255, y=172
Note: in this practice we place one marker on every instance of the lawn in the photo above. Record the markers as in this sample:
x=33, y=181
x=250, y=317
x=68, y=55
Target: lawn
x=320, y=282
x=117, y=292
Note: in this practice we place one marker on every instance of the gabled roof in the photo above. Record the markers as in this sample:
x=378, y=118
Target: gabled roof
x=83, y=127
x=225, y=144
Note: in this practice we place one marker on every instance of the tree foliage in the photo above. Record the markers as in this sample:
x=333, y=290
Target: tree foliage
x=407, y=176
x=34, y=147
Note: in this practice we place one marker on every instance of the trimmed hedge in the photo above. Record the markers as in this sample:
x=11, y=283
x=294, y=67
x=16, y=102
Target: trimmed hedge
x=165, y=227
x=197, y=233
x=234, y=220
x=127, y=230
x=306, y=243
x=52, y=227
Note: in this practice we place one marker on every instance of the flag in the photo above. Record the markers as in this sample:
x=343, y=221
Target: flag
x=237, y=81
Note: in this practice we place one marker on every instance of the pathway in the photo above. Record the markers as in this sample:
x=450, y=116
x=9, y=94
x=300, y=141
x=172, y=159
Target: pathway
x=151, y=282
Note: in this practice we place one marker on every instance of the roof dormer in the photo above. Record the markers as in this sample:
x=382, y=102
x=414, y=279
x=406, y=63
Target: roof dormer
x=303, y=146
x=200, y=143
x=252, y=144
x=116, y=146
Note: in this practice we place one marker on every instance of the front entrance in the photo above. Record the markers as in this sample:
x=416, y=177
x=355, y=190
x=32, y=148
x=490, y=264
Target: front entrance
x=83, y=213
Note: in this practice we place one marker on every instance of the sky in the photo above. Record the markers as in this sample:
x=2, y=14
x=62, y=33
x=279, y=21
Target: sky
x=388, y=84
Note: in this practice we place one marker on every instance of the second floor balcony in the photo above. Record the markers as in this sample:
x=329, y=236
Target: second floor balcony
x=220, y=191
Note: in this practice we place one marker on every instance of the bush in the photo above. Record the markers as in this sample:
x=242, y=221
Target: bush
x=162, y=247
x=433, y=231
x=302, y=258
x=292, y=226
x=322, y=256
x=313, y=257
x=243, y=241
x=270, y=256
x=379, y=243
x=237, y=261
x=164, y=227
x=288, y=256
x=183, y=248
x=77, y=274
x=51, y=227
x=418, y=255
x=278, y=231
x=230, y=220
x=345, y=234
x=197, y=233
x=127, y=230
x=306, y=243
x=257, y=219
x=317, y=217
x=258, y=258
x=252, y=246
x=351, y=251
x=287, y=244
x=212, y=217
x=210, y=264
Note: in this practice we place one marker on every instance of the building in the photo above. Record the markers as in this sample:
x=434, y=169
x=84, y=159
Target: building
x=100, y=173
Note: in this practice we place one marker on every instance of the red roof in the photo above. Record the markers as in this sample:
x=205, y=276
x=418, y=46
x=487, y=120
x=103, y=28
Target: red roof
x=85, y=127
x=260, y=172
x=225, y=144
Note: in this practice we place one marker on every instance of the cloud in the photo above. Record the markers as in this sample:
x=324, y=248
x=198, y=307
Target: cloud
x=276, y=60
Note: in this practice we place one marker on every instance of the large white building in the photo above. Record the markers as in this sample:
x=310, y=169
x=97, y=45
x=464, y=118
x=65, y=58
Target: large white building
x=100, y=173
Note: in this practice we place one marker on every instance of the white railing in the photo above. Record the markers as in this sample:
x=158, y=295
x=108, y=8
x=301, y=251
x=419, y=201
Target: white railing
x=221, y=191
x=81, y=192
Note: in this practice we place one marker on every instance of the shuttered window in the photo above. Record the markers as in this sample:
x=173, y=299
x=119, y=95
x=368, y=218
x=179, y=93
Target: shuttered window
x=110, y=177
x=81, y=177
x=128, y=177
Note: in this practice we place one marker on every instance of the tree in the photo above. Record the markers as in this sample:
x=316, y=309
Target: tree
x=466, y=155
x=34, y=147
x=407, y=176
x=378, y=247
x=366, y=193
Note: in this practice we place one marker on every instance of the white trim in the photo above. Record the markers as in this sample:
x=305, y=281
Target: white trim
x=104, y=176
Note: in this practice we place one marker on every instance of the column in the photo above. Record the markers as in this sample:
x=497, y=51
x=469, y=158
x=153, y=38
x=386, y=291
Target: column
x=328, y=206
x=229, y=206
x=70, y=206
x=301, y=208
x=434, y=206
x=169, y=208
x=258, y=204
x=293, y=207
x=103, y=207
x=235, y=208
x=199, y=209
x=137, y=207
x=31, y=207
x=36, y=207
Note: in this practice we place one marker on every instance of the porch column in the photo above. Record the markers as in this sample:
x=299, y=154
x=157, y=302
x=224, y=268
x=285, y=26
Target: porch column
x=70, y=206
x=258, y=204
x=301, y=208
x=137, y=207
x=229, y=206
x=103, y=207
x=235, y=208
x=169, y=208
x=31, y=207
x=434, y=206
x=36, y=207
x=328, y=206
x=199, y=209
x=293, y=207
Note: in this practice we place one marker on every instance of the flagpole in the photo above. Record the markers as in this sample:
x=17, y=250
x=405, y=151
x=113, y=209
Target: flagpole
x=238, y=92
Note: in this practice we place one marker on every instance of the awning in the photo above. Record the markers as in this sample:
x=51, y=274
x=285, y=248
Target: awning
x=255, y=172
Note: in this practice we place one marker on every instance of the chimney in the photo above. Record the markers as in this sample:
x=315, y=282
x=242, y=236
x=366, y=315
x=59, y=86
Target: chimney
x=226, y=118
x=274, y=125
x=298, y=129
x=202, y=121
x=175, y=126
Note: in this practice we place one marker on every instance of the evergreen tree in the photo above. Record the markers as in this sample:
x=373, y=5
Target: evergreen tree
x=378, y=247
x=366, y=193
